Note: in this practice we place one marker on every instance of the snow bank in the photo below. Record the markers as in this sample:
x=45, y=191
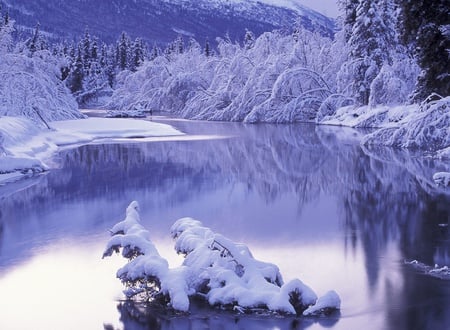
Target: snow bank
x=424, y=127
x=427, y=129
x=220, y=271
x=24, y=146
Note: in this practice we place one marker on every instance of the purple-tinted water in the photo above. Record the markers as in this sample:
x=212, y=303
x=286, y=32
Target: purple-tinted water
x=321, y=208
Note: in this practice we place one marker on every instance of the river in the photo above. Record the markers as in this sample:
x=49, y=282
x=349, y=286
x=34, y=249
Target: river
x=306, y=198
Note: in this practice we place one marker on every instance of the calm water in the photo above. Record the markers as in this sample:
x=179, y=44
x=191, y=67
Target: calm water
x=306, y=198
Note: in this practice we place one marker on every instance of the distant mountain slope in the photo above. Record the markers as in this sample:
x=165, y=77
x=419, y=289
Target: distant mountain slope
x=161, y=21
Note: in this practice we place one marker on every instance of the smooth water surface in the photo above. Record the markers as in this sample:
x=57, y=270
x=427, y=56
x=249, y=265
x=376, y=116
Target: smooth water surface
x=306, y=198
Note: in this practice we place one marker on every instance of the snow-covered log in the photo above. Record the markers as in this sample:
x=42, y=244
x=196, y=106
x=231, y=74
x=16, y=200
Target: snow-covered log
x=220, y=271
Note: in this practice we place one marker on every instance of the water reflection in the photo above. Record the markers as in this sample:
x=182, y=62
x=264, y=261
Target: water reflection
x=346, y=216
x=140, y=316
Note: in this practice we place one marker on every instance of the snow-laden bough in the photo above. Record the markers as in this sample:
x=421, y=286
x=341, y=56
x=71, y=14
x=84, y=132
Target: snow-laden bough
x=223, y=273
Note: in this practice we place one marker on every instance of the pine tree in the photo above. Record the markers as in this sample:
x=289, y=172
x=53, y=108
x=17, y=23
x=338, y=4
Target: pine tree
x=348, y=7
x=94, y=50
x=207, y=49
x=123, y=50
x=424, y=26
x=138, y=54
x=154, y=53
x=36, y=42
x=77, y=74
x=371, y=44
x=85, y=45
x=249, y=39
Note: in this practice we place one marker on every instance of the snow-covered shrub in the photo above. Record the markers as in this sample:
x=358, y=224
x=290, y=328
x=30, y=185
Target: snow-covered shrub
x=216, y=269
x=428, y=130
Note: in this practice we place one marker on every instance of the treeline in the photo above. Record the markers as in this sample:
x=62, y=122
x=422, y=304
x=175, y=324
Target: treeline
x=88, y=66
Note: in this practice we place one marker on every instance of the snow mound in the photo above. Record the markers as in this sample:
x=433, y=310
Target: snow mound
x=216, y=269
x=328, y=303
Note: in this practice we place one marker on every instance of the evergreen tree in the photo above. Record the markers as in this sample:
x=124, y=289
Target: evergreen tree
x=425, y=26
x=207, y=49
x=75, y=83
x=123, y=50
x=179, y=45
x=94, y=50
x=371, y=44
x=154, y=53
x=85, y=45
x=36, y=42
x=249, y=39
x=348, y=7
x=138, y=54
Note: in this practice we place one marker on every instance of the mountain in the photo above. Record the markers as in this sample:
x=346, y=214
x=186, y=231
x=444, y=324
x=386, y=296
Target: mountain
x=161, y=21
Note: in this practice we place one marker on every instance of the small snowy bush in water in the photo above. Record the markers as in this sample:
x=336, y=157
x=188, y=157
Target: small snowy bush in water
x=216, y=269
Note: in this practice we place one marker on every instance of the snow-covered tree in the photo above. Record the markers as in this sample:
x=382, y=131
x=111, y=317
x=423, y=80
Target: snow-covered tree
x=36, y=42
x=123, y=51
x=378, y=69
x=370, y=46
x=348, y=19
x=138, y=54
x=31, y=86
x=6, y=30
x=425, y=28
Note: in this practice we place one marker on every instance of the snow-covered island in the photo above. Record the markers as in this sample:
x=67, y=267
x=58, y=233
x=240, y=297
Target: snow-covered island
x=215, y=269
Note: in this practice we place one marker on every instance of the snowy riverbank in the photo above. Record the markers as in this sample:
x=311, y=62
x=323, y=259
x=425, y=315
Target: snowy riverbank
x=424, y=127
x=26, y=148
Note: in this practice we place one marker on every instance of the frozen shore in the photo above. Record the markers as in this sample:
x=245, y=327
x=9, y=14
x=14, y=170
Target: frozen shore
x=26, y=148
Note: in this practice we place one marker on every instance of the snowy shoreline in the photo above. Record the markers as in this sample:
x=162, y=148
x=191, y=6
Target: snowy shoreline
x=25, y=148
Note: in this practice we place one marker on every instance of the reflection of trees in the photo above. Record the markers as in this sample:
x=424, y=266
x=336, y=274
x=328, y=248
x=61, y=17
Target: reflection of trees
x=388, y=196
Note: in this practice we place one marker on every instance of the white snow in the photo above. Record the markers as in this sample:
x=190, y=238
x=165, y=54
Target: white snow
x=330, y=300
x=215, y=268
x=25, y=147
